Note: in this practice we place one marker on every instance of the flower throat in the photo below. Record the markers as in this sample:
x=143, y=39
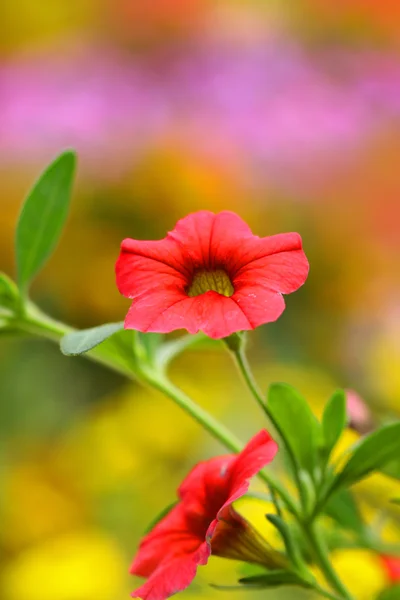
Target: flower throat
x=210, y=281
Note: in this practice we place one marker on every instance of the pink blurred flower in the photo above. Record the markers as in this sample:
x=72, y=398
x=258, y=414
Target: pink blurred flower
x=360, y=416
x=268, y=105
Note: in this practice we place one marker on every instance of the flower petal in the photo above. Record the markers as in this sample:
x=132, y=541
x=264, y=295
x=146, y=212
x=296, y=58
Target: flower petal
x=193, y=234
x=205, y=489
x=259, y=452
x=168, y=538
x=220, y=316
x=145, y=266
x=280, y=265
x=173, y=576
x=217, y=316
x=259, y=304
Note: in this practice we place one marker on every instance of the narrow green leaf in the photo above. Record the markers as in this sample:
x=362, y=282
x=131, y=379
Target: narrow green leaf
x=8, y=292
x=42, y=217
x=273, y=579
x=372, y=453
x=290, y=544
x=295, y=418
x=79, y=342
x=334, y=420
x=160, y=516
x=266, y=580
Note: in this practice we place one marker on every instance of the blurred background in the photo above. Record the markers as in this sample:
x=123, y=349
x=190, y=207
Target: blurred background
x=285, y=112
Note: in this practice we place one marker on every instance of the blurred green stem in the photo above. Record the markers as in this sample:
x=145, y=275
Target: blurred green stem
x=320, y=551
x=245, y=370
x=309, y=529
x=34, y=322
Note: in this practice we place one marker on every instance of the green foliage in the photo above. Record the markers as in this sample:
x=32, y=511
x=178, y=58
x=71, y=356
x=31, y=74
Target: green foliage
x=392, y=593
x=333, y=421
x=79, y=342
x=160, y=516
x=343, y=509
x=9, y=294
x=392, y=469
x=371, y=454
x=42, y=217
x=292, y=549
x=271, y=579
x=293, y=416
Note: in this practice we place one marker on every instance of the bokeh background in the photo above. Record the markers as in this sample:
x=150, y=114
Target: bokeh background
x=285, y=112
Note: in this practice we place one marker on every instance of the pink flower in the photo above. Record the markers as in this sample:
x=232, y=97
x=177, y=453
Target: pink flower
x=204, y=523
x=209, y=274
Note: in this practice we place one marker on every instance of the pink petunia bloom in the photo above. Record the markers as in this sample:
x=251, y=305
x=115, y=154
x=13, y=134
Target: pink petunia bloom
x=204, y=522
x=209, y=274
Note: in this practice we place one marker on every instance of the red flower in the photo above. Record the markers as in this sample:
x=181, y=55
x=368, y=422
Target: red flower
x=392, y=566
x=209, y=274
x=204, y=522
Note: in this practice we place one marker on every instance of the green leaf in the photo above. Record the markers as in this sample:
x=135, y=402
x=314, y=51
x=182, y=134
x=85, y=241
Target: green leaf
x=392, y=469
x=372, y=453
x=294, y=417
x=395, y=501
x=9, y=294
x=343, y=509
x=290, y=543
x=273, y=579
x=42, y=217
x=334, y=421
x=391, y=593
x=160, y=516
x=79, y=342
x=266, y=580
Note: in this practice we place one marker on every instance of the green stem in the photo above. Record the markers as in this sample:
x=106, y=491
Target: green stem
x=320, y=552
x=245, y=370
x=316, y=542
x=38, y=324
x=212, y=425
x=325, y=593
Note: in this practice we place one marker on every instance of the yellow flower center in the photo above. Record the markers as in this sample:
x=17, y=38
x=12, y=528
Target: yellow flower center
x=211, y=281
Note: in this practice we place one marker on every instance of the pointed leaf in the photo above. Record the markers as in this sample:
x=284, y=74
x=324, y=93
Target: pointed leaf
x=266, y=580
x=42, y=217
x=373, y=452
x=294, y=417
x=9, y=294
x=165, y=511
x=79, y=342
x=334, y=420
x=273, y=579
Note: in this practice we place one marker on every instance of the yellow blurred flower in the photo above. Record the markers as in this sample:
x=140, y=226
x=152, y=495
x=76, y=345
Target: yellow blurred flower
x=37, y=503
x=361, y=572
x=79, y=566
